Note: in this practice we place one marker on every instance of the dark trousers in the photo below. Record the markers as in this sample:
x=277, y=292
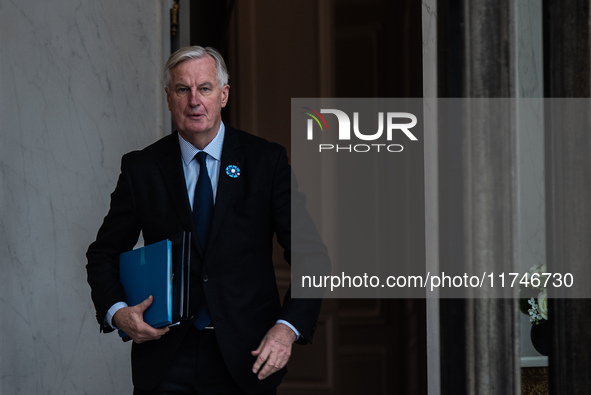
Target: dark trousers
x=198, y=369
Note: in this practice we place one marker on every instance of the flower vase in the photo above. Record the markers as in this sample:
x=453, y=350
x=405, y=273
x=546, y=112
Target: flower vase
x=540, y=337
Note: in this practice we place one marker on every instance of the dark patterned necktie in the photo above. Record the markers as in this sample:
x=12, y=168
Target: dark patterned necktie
x=202, y=212
x=203, y=201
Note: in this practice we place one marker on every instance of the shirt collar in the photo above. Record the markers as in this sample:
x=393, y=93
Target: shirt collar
x=213, y=149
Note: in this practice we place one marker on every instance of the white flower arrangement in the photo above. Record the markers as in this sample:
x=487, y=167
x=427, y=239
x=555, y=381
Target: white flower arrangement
x=538, y=306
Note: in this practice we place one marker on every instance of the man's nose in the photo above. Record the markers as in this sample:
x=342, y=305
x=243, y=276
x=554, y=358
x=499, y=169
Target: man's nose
x=194, y=100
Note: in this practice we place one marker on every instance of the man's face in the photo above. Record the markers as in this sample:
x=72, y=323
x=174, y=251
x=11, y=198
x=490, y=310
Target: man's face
x=195, y=100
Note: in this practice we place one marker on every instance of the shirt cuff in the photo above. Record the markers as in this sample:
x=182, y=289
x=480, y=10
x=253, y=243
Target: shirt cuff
x=112, y=311
x=297, y=333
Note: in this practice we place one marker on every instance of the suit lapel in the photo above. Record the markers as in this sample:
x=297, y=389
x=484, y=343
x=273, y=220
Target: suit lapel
x=171, y=167
x=228, y=187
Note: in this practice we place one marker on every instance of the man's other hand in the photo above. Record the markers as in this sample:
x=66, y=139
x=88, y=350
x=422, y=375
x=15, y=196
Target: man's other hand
x=131, y=321
x=274, y=351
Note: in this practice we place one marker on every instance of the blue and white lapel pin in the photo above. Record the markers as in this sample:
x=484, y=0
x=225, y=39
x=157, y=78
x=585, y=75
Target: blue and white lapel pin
x=233, y=171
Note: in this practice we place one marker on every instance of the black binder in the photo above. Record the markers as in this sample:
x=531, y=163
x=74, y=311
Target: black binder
x=181, y=269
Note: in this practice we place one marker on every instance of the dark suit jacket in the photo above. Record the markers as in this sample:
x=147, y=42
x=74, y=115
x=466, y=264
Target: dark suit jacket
x=235, y=272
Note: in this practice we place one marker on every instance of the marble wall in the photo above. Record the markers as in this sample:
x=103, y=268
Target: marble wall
x=79, y=86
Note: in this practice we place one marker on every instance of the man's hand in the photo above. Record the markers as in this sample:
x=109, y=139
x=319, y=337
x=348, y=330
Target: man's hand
x=274, y=351
x=131, y=321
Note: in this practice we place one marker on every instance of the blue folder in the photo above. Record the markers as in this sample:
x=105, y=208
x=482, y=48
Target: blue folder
x=147, y=271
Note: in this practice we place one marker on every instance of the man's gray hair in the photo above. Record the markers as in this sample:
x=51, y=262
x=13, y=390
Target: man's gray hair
x=196, y=52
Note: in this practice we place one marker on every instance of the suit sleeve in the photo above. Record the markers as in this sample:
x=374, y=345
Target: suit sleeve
x=118, y=233
x=304, y=250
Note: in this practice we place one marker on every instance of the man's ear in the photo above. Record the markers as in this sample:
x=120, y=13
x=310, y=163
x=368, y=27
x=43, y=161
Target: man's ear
x=225, y=95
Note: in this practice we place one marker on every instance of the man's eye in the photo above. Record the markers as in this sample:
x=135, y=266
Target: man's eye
x=183, y=90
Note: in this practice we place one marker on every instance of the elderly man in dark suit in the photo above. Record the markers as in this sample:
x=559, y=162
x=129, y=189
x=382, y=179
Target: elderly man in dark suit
x=234, y=191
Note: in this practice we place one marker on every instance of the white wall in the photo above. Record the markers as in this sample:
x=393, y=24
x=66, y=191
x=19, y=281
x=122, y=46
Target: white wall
x=79, y=86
